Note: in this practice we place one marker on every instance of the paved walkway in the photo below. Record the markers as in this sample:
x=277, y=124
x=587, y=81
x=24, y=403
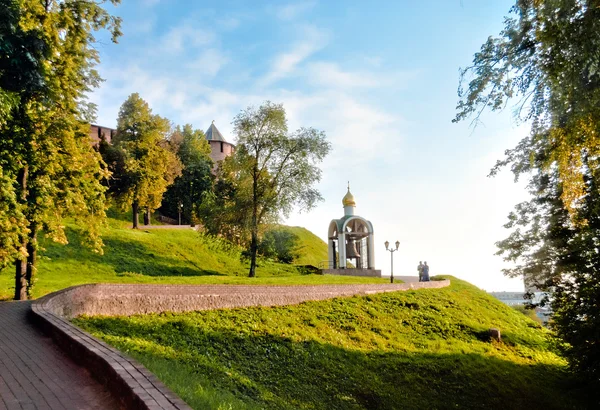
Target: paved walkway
x=407, y=279
x=35, y=374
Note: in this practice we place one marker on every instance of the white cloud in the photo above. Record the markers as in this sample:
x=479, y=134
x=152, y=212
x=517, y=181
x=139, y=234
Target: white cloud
x=184, y=37
x=330, y=74
x=285, y=63
x=208, y=63
x=294, y=10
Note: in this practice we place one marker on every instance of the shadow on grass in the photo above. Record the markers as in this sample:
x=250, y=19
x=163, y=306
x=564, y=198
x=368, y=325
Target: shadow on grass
x=267, y=371
x=125, y=257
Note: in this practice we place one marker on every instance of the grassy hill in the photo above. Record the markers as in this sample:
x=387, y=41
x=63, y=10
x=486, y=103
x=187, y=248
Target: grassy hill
x=163, y=256
x=311, y=248
x=425, y=349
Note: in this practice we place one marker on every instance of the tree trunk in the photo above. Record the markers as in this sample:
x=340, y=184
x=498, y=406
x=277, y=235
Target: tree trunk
x=253, y=249
x=21, y=265
x=254, y=227
x=21, y=278
x=147, y=216
x=135, y=212
x=31, y=257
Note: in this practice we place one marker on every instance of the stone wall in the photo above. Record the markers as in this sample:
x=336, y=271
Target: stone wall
x=120, y=299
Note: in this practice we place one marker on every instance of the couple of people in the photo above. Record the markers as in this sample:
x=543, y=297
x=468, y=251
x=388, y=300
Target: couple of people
x=423, y=272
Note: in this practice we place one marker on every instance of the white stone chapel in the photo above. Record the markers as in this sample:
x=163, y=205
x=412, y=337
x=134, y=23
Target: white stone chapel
x=351, y=243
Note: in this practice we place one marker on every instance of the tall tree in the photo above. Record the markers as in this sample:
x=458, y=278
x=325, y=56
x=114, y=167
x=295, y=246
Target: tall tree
x=146, y=167
x=280, y=167
x=547, y=57
x=185, y=194
x=48, y=60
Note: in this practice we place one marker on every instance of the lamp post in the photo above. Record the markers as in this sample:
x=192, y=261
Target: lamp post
x=387, y=248
x=180, y=209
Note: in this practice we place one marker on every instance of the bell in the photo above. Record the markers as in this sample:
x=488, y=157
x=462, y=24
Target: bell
x=351, y=251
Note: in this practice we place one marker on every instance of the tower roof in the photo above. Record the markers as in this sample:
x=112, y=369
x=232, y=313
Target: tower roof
x=213, y=134
x=348, y=199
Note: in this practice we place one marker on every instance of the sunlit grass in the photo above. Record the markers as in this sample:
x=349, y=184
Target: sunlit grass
x=417, y=349
x=163, y=256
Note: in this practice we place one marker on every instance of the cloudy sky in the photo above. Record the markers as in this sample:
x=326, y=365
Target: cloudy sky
x=379, y=77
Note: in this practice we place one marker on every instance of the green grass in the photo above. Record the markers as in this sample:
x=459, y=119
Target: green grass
x=310, y=247
x=422, y=349
x=161, y=256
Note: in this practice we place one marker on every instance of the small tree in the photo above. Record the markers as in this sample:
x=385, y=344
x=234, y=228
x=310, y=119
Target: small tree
x=143, y=167
x=279, y=168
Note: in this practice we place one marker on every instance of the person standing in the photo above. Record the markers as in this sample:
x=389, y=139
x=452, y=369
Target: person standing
x=420, y=270
x=425, y=272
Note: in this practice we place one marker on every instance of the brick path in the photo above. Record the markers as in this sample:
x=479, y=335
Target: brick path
x=35, y=374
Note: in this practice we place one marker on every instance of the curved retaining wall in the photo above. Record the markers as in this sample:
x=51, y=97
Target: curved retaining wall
x=125, y=377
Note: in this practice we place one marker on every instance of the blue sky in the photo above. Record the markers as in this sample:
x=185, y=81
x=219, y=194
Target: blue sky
x=380, y=78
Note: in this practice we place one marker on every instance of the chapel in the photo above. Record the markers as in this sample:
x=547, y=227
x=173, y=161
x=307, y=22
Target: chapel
x=351, y=243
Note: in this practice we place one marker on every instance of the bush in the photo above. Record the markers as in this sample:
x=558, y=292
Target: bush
x=280, y=245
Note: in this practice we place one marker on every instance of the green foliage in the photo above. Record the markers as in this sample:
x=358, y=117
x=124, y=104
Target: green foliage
x=560, y=256
x=46, y=68
x=271, y=170
x=529, y=312
x=415, y=349
x=185, y=195
x=280, y=245
x=143, y=166
x=224, y=209
x=547, y=57
x=12, y=221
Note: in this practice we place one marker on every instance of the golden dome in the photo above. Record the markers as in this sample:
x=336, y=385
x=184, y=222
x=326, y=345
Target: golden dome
x=348, y=199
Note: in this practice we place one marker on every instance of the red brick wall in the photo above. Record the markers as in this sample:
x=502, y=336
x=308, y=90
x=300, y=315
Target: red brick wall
x=97, y=132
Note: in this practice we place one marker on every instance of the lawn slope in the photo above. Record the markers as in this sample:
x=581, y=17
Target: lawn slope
x=162, y=256
x=310, y=248
x=422, y=349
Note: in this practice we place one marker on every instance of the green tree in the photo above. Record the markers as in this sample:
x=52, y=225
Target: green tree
x=277, y=169
x=143, y=166
x=279, y=244
x=225, y=209
x=547, y=59
x=47, y=66
x=185, y=194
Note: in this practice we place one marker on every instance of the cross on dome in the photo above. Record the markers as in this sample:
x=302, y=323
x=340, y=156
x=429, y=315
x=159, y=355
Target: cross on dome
x=348, y=199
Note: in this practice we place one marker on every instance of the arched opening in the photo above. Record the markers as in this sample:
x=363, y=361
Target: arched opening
x=356, y=233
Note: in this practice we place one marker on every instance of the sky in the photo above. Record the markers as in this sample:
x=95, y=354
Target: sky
x=380, y=78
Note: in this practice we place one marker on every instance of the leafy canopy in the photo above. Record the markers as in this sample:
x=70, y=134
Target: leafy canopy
x=547, y=58
x=145, y=166
x=47, y=60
